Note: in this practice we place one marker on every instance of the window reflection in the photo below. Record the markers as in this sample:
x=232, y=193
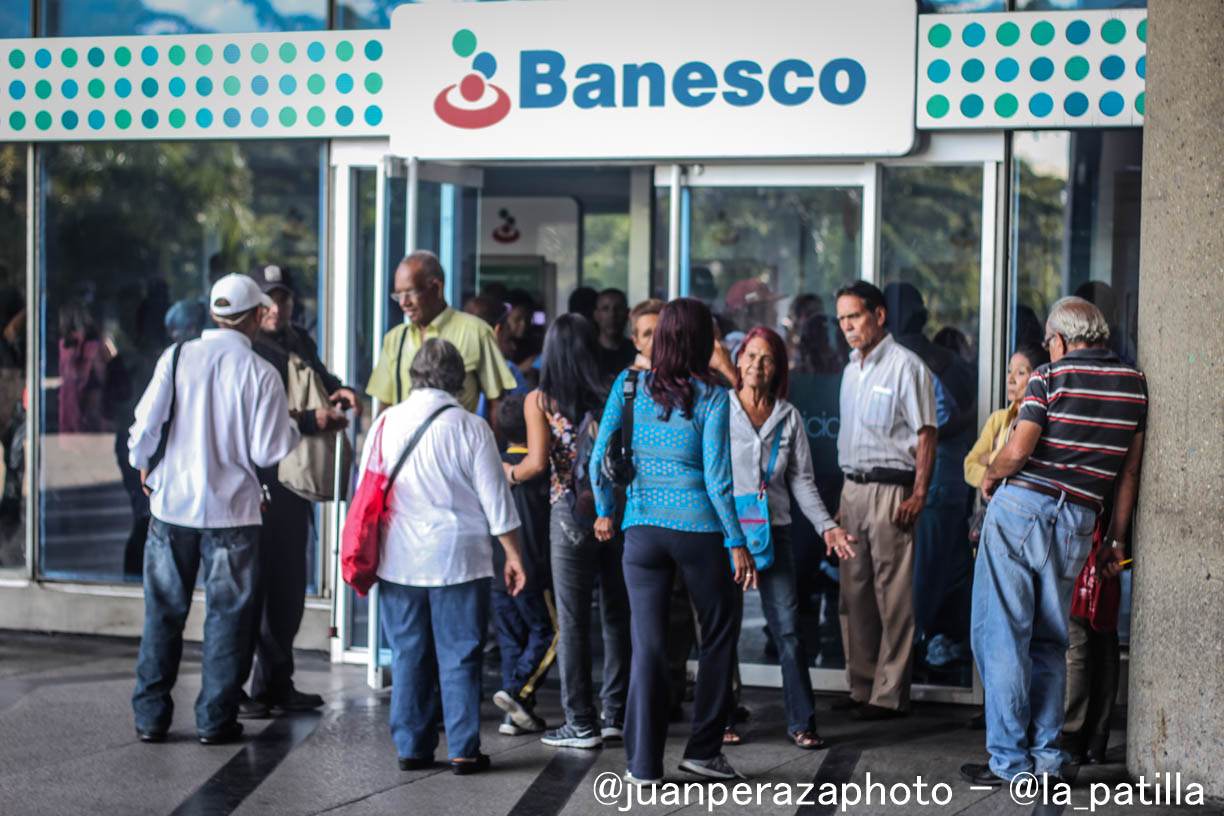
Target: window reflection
x=960, y=6
x=135, y=233
x=14, y=18
x=930, y=271
x=12, y=352
x=74, y=18
x=1063, y=5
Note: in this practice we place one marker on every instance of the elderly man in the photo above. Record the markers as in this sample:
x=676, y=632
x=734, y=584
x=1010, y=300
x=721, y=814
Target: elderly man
x=285, y=535
x=1079, y=438
x=886, y=449
x=419, y=281
x=218, y=411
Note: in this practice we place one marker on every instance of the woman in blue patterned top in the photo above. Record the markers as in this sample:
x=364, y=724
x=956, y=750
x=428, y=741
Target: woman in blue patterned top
x=679, y=514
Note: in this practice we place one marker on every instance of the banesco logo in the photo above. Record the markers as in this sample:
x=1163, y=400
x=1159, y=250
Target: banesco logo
x=474, y=108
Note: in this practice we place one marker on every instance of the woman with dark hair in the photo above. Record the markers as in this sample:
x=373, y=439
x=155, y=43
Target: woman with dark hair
x=770, y=454
x=679, y=514
x=570, y=391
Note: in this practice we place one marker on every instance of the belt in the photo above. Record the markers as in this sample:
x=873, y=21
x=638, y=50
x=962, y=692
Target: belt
x=1055, y=493
x=893, y=476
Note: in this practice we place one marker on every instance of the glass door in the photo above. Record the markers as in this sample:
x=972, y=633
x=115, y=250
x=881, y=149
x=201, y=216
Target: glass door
x=386, y=208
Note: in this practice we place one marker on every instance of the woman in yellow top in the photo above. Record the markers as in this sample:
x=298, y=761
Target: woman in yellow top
x=999, y=425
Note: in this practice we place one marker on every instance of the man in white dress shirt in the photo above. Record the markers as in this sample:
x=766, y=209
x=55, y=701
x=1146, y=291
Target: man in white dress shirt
x=886, y=449
x=222, y=412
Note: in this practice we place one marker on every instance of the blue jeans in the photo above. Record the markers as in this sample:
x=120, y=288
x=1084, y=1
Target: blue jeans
x=526, y=638
x=577, y=560
x=231, y=564
x=420, y=623
x=781, y=607
x=1032, y=549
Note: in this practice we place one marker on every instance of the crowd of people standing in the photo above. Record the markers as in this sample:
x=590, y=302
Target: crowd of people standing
x=659, y=474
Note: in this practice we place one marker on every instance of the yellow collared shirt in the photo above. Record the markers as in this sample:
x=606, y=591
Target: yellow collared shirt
x=487, y=372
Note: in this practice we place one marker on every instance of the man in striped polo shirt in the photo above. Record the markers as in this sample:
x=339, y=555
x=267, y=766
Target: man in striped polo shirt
x=1078, y=440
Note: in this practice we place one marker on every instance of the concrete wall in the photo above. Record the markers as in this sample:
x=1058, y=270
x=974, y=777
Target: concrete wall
x=1177, y=660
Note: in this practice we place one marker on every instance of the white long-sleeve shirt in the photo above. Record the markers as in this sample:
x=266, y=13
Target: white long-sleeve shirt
x=230, y=416
x=450, y=496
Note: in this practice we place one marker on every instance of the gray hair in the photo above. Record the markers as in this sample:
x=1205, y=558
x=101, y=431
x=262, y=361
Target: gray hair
x=1078, y=321
x=428, y=263
x=438, y=365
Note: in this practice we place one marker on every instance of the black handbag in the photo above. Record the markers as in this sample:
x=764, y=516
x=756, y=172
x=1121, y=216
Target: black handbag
x=617, y=465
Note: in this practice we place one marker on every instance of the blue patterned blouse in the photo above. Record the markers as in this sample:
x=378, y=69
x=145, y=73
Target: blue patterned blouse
x=683, y=465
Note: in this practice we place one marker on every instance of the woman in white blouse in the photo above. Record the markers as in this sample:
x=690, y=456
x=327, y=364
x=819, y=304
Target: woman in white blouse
x=435, y=563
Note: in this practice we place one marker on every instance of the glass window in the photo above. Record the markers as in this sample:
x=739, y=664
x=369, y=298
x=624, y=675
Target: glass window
x=14, y=18
x=930, y=271
x=12, y=351
x=960, y=6
x=76, y=18
x=135, y=233
x=1063, y=5
x=605, y=251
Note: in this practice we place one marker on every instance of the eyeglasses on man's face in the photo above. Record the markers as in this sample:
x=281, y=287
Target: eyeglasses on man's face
x=1049, y=338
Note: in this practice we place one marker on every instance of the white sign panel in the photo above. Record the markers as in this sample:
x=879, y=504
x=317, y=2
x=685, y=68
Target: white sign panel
x=643, y=79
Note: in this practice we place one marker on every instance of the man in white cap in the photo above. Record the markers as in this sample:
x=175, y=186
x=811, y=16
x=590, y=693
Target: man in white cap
x=213, y=412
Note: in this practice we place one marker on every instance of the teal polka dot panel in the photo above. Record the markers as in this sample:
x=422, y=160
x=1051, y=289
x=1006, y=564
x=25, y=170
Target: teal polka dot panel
x=242, y=86
x=1031, y=70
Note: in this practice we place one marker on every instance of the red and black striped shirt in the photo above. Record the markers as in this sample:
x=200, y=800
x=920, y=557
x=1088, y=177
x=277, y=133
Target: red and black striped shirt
x=1089, y=405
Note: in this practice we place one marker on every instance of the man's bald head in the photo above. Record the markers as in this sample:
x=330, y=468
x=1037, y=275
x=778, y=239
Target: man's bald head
x=419, y=284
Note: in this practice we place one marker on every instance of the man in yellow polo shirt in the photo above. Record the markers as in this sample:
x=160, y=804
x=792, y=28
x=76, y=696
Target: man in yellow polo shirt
x=419, y=282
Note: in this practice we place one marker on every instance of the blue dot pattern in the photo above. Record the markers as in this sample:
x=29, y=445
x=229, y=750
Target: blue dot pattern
x=144, y=87
x=683, y=465
x=1045, y=69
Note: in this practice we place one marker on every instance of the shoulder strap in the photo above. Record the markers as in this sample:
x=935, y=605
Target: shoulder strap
x=627, y=417
x=412, y=443
x=773, y=454
x=160, y=453
x=399, y=361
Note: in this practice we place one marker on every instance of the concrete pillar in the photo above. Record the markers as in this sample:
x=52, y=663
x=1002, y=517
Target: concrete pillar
x=1176, y=698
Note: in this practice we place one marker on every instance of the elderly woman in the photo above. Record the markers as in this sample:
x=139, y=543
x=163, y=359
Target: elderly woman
x=435, y=563
x=679, y=515
x=770, y=453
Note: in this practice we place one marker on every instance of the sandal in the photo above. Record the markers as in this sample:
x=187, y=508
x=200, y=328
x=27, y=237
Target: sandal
x=807, y=739
x=732, y=737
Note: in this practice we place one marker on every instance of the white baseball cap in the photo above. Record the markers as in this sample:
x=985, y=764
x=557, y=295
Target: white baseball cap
x=236, y=293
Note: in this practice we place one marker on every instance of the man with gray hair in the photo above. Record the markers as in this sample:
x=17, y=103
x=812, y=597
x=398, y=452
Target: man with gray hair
x=1078, y=444
x=419, y=284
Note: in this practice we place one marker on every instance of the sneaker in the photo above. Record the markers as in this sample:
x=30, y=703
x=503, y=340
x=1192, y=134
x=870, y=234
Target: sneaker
x=521, y=714
x=572, y=736
x=510, y=728
x=612, y=730
x=640, y=781
x=714, y=768
x=252, y=709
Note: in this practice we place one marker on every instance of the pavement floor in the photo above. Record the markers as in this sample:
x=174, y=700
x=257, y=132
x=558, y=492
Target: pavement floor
x=68, y=746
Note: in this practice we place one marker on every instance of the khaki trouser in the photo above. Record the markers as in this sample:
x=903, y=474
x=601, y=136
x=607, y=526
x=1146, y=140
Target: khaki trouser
x=877, y=596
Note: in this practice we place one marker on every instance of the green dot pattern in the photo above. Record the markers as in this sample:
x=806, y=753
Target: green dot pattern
x=96, y=88
x=316, y=116
x=344, y=50
x=288, y=52
x=177, y=55
x=1043, y=69
x=177, y=118
x=123, y=56
x=16, y=60
x=316, y=83
x=464, y=43
x=373, y=82
x=42, y=120
x=123, y=119
x=69, y=57
x=42, y=89
x=287, y=116
x=232, y=85
x=259, y=53
x=203, y=55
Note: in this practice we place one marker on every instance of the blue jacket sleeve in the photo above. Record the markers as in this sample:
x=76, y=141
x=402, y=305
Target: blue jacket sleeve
x=716, y=461
x=605, y=501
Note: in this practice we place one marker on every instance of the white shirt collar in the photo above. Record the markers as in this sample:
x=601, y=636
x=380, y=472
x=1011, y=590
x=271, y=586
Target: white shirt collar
x=225, y=335
x=876, y=353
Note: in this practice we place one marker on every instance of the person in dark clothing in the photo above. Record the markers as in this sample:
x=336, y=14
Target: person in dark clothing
x=526, y=623
x=615, y=351
x=286, y=531
x=582, y=301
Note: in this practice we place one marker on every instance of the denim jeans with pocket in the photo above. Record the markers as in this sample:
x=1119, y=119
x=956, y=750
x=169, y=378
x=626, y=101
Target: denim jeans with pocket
x=172, y=556
x=780, y=603
x=1032, y=549
x=422, y=625
x=577, y=560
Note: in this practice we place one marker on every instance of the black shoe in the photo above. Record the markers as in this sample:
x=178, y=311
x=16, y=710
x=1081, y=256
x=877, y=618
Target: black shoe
x=976, y=774
x=149, y=735
x=252, y=709
x=296, y=701
x=231, y=732
x=415, y=763
x=481, y=763
x=869, y=713
x=846, y=704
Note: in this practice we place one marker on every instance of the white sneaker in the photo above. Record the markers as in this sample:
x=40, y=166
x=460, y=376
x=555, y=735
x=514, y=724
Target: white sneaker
x=509, y=729
x=640, y=782
x=612, y=731
x=522, y=716
x=714, y=768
